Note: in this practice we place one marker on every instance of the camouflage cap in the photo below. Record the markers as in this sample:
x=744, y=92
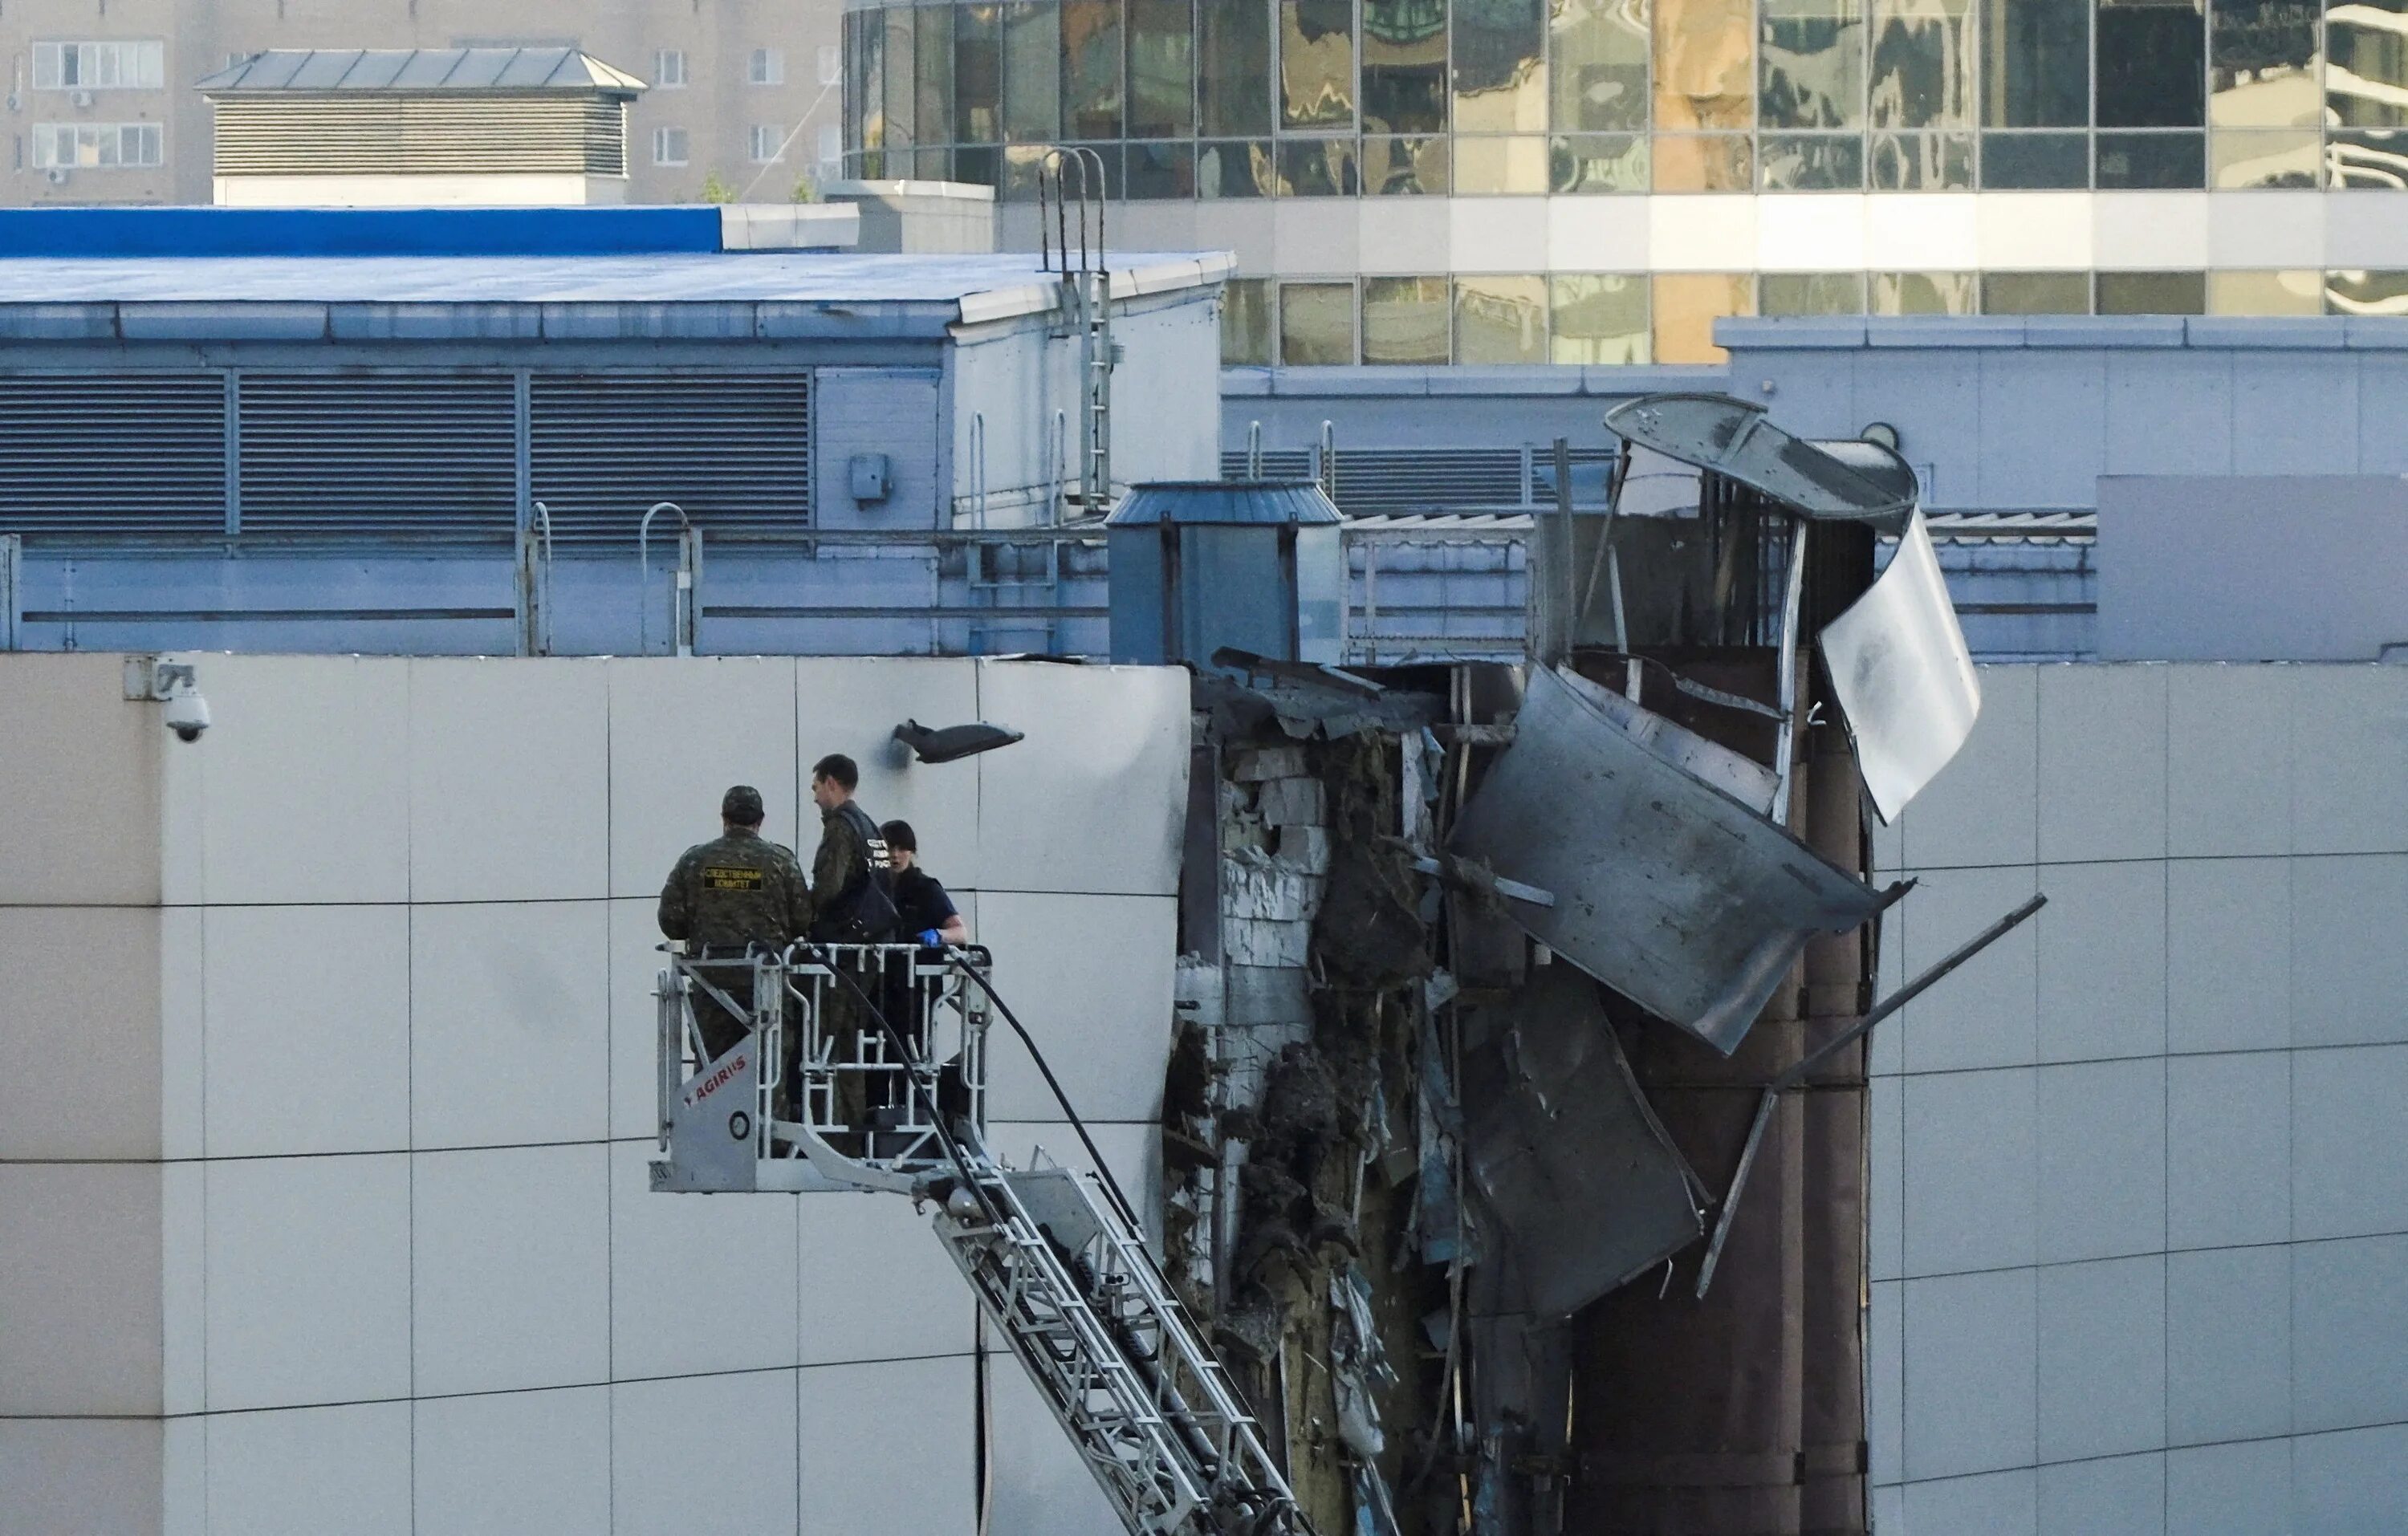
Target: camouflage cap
x=741, y=805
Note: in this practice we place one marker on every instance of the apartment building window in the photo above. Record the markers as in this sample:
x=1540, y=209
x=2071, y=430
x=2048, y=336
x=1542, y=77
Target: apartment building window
x=831, y=63
x=668, y=147
x=768, y=66
x=768, y=143
x=668, y=69
x=141, y=66
x=98, y=146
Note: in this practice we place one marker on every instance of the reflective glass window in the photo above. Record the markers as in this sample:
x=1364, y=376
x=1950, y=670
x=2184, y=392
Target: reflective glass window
x=1812, y=63
x=2152, y=64
x=2035, y=294
x=2031, y=162
x=1593, y=318
x=933, y=50
x=2035, y=64
x=1514, y=164
x=1158, y=169
x=1921, y=66
x=1316, y=322
x=1812, y=162
x=1919, y=162
x=2368, y=158
x=1246, y=328
x=1921, y=294
x=866, y=69
x=1161, y=69
x=2152, y=161
x=2261, y=62
x=933, y=164
x=977, y=74
x=1234, y=169
x=1405, y=320
x=1704, y=65
x=2366, y=65
x=1404, y=167
x=2152, y=293
x=1597, y=65
x=1032, y=72
x=2241, y=158
x=1233, y=50
x=902, y=98
x=1584, y=162
x=1685, y=305
x=1404, y=66
x=1703, y=163
x=2361, y=293
x=1809, y=293
x=1091, y=68
x=1316, y=61
x=2265, y=293
x=1318, y=167
x=1500, y=71
x=1501, y=320
x=981, y=165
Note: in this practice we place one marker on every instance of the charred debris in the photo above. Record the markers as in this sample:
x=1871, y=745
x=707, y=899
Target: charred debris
x=1499, y=982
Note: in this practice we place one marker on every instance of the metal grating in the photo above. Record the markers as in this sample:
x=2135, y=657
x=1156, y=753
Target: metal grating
x=377, y=453
x=113, y=454
x=733, y=450
x=1391, y=481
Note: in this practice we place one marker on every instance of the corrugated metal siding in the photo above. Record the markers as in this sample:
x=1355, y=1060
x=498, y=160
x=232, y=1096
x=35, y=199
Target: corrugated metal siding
x=125, y=452
x=733, y=450
x=381, y=134
x=404, y=453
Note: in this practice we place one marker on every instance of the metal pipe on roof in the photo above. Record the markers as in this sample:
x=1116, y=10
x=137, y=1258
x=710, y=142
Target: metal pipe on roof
x=644, y=571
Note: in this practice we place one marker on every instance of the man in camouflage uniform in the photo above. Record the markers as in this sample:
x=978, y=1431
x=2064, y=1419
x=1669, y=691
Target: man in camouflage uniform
x=724, y=898
x=852, y=904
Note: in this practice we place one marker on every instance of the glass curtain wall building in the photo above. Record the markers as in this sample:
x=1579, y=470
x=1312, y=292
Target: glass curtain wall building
x=1377, y=164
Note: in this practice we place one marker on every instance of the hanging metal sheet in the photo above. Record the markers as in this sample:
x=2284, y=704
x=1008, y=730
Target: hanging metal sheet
x=1668, y=890
x=1902, y=674
x=1849, y=481
x=1556, y=1134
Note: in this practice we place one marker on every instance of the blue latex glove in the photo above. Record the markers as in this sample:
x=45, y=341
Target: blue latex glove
x=931, y=938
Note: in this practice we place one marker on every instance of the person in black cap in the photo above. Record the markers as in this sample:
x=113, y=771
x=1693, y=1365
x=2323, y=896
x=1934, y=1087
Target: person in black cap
x=923, y=910
x=724, y=898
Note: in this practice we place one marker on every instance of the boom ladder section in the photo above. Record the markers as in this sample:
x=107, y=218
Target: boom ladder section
x=1056, y=1260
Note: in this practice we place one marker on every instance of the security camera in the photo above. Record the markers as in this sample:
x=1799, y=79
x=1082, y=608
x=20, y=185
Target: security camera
x=187, y=713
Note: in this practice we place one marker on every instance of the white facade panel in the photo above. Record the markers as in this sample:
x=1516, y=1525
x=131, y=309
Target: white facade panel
x=1407, y=235
x=733, y=720
x=1993, y=1019
x=513, y=1463
x=1095, y=801
x=1983, y=809
x=508, y=775
x=1591, y=234
x=2101, y=1133
x=2220, y=802
x=67, y=1004
x=1712, y=233
x=308, y=1281
x=1827, y=233
x=703, y=1455
x=1923, y=231
x=703, y=1282
x=81, y=779
x=2150, y=231
x=1971, y=1343
x=2102, y=961
x=299, y=1056
x=874, y=1284
x=852, y=1419
x=2101, y=762
x=2036, y=231
x=852, y=705
x=78, y=1474
x=2102, y=1359
x=1495, y=234
x=1970, y=1166
x=306, y=1472
x=79, y=1253
x=509, y=1023
x=305, y=780
x=511, y=1269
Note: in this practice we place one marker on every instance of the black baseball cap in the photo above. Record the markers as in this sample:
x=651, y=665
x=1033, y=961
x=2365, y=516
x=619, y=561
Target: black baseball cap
x=741, y=805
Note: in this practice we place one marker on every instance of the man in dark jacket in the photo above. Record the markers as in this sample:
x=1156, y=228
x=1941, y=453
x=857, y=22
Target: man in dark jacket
x=852, y=903
x=726, y=895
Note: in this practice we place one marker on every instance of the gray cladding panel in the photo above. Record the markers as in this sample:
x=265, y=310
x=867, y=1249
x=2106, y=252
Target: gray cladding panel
x=2262, y=567
x=894, y=411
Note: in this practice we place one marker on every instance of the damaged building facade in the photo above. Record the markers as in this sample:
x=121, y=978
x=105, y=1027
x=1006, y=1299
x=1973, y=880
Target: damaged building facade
x=1501, y=986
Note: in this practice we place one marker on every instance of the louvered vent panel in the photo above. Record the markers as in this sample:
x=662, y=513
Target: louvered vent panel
x=386, y=453
x=1375, y=480
x=733, y=450
x=1278, y=464
x=117, y=453
x=380, y=135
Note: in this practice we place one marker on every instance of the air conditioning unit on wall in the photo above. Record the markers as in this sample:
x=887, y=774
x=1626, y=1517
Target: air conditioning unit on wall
x=80, y=98
x=56, y=178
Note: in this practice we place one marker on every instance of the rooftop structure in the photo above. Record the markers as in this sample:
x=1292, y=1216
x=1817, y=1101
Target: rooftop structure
x=421, y=126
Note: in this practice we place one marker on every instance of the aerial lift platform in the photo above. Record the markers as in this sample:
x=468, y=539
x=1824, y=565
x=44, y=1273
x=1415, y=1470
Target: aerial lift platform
x=1056, y=1257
